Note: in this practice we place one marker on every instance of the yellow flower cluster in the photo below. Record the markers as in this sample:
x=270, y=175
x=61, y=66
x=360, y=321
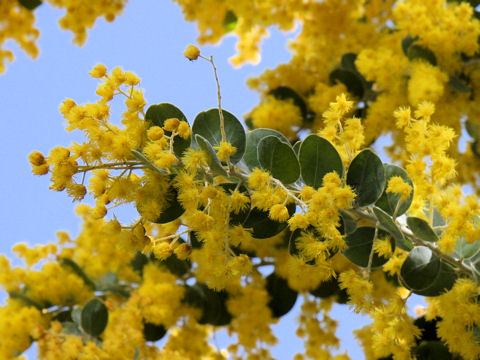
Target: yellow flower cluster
x=17, y=23
x=440, y=68
x=279, y=115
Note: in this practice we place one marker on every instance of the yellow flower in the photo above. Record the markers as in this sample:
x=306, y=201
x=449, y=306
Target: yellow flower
x=98, y=71
x=155, y=133
x=225, y=150
x=397, y=185
x=171, y=124
x=191, y=52
x=162, y=250
x=279, y=213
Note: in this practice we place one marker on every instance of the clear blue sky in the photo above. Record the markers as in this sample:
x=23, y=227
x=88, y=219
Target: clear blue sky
x=148, y=39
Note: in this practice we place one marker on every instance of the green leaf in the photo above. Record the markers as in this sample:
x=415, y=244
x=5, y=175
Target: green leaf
x=282, y=298
x=27, y=300
x=138, y=262
x=348, y=62
x=366, y=176
x=262, y=226
x=458, y=84
x=286, y=93
x=152, y=332
x=406, y=42
x=423, y=53
x=173, y=209
x=349, y=224
x=425, y=274
x=156, y=116
x=432, y=350
x=389, y=225
x=326, y=289
x=70, y=328
x=296, y=147
x=421, y=229
x=176, y=266
x=94, y=317
x=464, y=250
x=30, y=4
x=420, y=268
x=77, y=315
x=252, y=139
x=428, y=328
x=279, y=159
x=473, y=129
x=207, y=124
x=351, y=79
x=143, y=159
x=317, y=158
x=211, y=302
x=359, y=246
x=388, y=202
x=230, y=21
x=72, y=265
x=136, y=355
x=213, y=162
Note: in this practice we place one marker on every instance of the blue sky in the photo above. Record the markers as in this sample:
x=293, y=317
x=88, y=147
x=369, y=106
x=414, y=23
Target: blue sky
x=148, y=39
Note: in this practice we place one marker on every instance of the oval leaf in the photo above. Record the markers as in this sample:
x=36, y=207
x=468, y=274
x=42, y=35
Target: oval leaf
x=279, y=159
x=464, y=250
x=94, y=317
x=326, y=289
x=406, y=42
x=152, y=332
x=421, y=229
x=443, y=282
x=351, y=79
x=30, y=4
x=213, y=162
x=317, y=158
x=366, y=176
x=282, y=298
x=349, y=224
x=286, y=93
x=359, y=246
x=207, y=124
x=173, y=209
x=388, y=201
x=253, y=138
x=389, y=225
x=458, y=84
x=420, y=268
x=156, y=116
x=262, y=226
x=211, y=302
x=423, y=53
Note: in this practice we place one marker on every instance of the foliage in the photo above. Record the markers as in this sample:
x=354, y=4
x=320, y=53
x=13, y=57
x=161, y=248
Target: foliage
x=217, y=204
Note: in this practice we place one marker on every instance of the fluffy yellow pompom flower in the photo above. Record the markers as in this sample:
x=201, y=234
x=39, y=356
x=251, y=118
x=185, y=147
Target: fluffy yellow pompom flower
x=225, y=150
x=171, y=124
x=281, y=115
x=191, y=52
x=397, y=185
x=162, y=250
x=98, y=71
x=155, y=133
x=184, y=130
x=258, y=179
x=183, y=251
x=279, y=213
